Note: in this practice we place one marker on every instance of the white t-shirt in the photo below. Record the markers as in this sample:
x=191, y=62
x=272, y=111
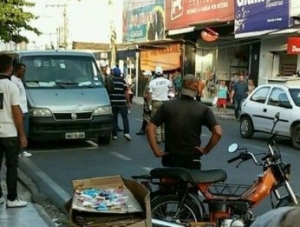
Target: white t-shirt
x=159, y=88
x=9, y=96
x=23, y=98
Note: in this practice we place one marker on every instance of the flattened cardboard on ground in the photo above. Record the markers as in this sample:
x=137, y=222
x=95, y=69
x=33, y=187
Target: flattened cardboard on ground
x=137, y=219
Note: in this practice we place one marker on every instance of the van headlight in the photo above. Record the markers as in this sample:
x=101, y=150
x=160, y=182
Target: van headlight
x=40, y=112
x=103, y=110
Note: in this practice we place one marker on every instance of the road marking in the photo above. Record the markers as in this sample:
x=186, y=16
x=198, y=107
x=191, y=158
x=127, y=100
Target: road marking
x=92, y=143
x=121, y=156
x=49, y=182
x=147, y=168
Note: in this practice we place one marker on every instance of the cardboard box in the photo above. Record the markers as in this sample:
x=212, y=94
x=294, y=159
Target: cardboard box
x=79, y=217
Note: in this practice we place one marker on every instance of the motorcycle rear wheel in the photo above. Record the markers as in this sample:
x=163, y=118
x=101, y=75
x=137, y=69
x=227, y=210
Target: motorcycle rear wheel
x=165, y=207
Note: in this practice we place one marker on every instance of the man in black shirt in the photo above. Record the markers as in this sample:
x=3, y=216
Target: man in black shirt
x=183, y=119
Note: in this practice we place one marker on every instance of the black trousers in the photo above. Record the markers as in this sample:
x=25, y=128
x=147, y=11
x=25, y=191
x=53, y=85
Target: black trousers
x=189, y=161
x=10, y=147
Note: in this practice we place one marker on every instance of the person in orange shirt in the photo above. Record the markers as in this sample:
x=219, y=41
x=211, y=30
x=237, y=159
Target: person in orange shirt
x=201, y=86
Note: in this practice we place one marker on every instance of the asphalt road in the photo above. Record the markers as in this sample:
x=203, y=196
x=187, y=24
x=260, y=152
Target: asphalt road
x=54, y=165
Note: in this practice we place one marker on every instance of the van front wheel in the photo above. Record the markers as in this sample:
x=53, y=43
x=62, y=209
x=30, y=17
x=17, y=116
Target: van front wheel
x=104, y=139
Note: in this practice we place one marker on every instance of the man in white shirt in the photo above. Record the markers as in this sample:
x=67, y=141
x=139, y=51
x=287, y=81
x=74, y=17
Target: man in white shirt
x=12, y=134
x=19, y=73
x=158, y=94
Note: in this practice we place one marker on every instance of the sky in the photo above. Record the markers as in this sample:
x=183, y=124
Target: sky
x=88, y=20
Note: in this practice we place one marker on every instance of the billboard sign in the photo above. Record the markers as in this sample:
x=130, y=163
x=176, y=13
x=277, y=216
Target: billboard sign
x=143, y=20
x=184, y=13
x=261, y=15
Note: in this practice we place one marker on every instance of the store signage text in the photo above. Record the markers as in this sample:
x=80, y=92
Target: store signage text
x=206, y=8
x=261, y=15
x=182, y=14
x=241, y=3
x=293, y=45
x=167, y=50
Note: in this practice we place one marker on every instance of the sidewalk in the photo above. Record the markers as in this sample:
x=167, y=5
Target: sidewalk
x=220, y=114
x=32, y=215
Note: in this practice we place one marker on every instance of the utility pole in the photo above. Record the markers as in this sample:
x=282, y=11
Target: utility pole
x=65, y=23
x=113, y=36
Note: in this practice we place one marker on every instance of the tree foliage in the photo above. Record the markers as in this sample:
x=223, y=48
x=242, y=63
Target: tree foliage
x=13, y=20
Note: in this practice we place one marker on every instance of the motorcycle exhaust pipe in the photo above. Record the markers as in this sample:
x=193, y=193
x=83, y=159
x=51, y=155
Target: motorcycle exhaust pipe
x=159, y=223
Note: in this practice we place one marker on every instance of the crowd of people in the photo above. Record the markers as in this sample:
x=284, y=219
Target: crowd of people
x=176, y=122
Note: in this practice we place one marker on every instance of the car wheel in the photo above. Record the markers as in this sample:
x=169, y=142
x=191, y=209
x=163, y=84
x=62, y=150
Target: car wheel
x=296, y=137
x=246, y=127
x=104, y=139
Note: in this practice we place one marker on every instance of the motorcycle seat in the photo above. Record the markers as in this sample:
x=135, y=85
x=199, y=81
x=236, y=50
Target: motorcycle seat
x=189, y=175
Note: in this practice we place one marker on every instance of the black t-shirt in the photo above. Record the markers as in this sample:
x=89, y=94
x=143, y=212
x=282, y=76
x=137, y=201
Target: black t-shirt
x=183, y=119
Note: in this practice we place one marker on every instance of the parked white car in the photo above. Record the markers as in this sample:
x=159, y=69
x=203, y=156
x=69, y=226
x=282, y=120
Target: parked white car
x=260, y=107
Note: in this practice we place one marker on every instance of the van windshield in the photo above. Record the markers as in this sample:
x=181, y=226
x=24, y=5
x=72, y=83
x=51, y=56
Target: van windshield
x=61, y=71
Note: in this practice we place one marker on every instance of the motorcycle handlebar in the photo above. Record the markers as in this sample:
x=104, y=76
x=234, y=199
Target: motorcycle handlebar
x=234, y=159
x=244, y=156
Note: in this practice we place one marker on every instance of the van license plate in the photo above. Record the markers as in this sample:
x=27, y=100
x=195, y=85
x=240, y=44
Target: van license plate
x=75, y=135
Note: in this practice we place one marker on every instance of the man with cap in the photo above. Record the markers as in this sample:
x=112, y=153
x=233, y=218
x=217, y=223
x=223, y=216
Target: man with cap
x=158, y=94
x=120, y=103
x=183, y=119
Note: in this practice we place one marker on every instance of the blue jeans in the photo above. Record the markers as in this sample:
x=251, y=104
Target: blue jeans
x=237, y=107
x=124, y=113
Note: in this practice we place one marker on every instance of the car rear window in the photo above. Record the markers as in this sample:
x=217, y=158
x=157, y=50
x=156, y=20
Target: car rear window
x=295, y=93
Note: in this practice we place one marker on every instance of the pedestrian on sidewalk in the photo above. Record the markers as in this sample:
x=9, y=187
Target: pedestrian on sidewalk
x=17, y=79
x=12, y=134
x=239, y=94
x=146, y=106
x=120, y=103
x=158, y=94
x=223, y=93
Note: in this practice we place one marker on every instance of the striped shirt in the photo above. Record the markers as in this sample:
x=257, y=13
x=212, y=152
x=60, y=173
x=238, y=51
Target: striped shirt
x=117, y=97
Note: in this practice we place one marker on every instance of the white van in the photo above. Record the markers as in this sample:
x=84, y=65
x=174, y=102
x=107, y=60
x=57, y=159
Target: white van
x=66, y=96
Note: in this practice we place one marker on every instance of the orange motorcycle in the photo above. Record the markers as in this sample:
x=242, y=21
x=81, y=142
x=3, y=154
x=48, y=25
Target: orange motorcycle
x=182, y=196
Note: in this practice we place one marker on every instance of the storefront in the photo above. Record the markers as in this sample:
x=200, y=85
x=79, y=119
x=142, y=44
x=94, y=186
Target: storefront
x=275, y=61
x=223, y=61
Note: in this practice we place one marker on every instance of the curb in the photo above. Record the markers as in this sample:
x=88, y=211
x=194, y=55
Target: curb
x=29, y=184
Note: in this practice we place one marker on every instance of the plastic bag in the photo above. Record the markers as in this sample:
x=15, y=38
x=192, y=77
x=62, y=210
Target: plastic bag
x=215, y=101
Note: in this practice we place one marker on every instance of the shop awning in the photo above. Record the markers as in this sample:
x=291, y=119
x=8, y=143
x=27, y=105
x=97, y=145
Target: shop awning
x=181, y=30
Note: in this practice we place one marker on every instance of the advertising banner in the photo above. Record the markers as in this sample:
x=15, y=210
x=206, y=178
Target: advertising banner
x=184, y=13
x=261, y=15
x=151, y=58
x=143, y=20
x=293, y=45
